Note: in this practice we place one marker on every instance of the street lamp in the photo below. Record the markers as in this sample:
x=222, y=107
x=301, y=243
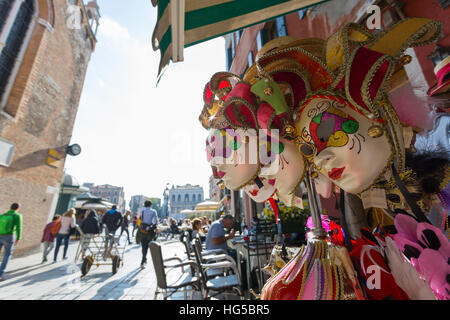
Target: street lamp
x=166, y=200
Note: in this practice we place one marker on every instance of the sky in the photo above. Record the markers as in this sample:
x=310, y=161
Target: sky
x=132, y=133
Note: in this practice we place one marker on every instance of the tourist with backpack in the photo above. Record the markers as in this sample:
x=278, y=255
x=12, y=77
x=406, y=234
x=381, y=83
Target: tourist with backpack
x=48, y=238
x=90, y=227
x=112, y=220
x=10, y=234
x=148, y=219
x=64, y=226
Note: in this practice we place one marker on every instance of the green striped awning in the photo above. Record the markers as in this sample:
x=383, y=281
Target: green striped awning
x=183, y=23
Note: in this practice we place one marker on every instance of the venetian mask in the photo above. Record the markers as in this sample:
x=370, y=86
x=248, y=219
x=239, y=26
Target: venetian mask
x=234, y=154
x=336, y=138
x=261, y=194
x=286, y=168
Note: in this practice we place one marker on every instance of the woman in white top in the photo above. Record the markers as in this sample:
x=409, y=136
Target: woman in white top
x=67, y=222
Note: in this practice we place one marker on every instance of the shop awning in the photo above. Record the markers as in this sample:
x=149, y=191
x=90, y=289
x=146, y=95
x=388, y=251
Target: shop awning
x=184, y=23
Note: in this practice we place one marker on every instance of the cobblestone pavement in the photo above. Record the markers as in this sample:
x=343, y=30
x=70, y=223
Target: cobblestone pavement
x=28, y=279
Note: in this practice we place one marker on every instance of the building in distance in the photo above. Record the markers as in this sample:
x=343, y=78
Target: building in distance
x=113, y=194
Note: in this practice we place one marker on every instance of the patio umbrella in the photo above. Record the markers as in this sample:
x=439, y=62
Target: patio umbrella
x=94, y=206
x=207, y=207
x=182, y=23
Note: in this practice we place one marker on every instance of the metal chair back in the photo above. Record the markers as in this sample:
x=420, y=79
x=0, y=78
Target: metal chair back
x=186, y=242
x=198, y=260
x=198, y=243
x=158, y=264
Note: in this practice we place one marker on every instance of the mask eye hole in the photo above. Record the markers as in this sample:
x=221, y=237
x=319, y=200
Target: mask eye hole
x=307, y=150
x=393, y=198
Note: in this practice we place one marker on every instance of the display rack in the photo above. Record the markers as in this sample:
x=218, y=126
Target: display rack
x=259, y=244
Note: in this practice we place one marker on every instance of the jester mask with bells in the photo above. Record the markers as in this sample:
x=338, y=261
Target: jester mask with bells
x=345, y=107
x=278, y=163
x=345, y=125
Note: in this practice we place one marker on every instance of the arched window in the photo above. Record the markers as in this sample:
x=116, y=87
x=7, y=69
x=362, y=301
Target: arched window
x=193, y=198
x=173, y=198
x=186, y=198
x=16, y=16
x=179, y=198
x=5, y=9
x=199, y=197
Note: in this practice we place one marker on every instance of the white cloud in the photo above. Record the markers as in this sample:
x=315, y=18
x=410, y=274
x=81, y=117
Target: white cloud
x=112, y=30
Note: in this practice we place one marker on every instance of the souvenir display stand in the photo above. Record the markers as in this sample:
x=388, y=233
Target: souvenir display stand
x=324, y=112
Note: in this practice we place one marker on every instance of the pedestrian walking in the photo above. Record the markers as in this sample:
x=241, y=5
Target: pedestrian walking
x=67, y=223
x=10, y=234
x=112, y=220
x=148, y=220
x=125, y=225
x=48, y=237
x=135, y=220
x=90, y=227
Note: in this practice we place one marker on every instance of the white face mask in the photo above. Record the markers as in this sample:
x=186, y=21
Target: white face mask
x=261, y=194
x=234, y=157
x=340, y=145
x=287, y=169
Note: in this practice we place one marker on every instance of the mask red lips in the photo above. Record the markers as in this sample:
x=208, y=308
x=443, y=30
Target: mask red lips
x=336, y=173
x=221, y=174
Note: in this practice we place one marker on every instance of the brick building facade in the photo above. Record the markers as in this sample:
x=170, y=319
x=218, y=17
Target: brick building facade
x=40, y=94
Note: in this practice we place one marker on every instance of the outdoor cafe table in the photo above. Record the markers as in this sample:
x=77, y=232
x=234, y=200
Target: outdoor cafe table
x=255, y=253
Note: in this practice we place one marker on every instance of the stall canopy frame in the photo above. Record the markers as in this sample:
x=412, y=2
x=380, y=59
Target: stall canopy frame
x=182, y=23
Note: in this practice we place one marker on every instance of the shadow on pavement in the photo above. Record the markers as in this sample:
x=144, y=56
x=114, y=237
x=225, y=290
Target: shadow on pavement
x=116, y=288
x=39, y=277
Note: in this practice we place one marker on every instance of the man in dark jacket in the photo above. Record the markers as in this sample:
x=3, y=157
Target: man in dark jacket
x=112, y=220
x=91, y=224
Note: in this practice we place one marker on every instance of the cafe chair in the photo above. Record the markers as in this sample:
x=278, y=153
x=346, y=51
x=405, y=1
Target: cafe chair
x=219, y=284
x=187, y=278
x=211, y=255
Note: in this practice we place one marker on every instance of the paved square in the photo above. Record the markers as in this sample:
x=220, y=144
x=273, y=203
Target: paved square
x=28, y=279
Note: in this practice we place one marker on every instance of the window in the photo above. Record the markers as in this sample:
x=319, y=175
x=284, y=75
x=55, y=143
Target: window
x=5, y=8
x=179, y=198
x=259, y=39
x=301, y=13
x=250, y=59
x=193, y=198
x=233, y=47
x=173, y=198
x=267, y=33
x=186, y=198
x=444, y=3
x=229, y=58
x=281, y=26
x=13, y=36
x=199, y=197
x=238, y=36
